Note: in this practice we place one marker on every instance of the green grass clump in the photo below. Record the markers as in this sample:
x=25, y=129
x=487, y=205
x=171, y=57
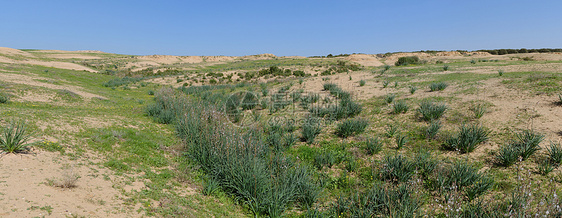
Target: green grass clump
x=466, y=178
x=432, y=129
x=445, y=67
x=385, y=83
x=524, y=146
x=351, y=127
x=559, y=100
x=310, y=129
x=400, y=107
x=500, y=72
x=440, y=86
x=397, y=169
x=4, y=99
x=362, y=82
x=373, y=146
x=401, y=140
x=468, y=138
x=389, y=98
x=554, y=152
x=431, y=111
x=479, y=110
x=14, y=137
x=413, y=89
x=329, y=86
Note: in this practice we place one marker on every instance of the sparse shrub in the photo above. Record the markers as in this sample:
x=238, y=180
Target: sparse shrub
x=400, y=107
x=3, y=99
x=468, y=138
x=397, y=169
x=373, y=146
x=410, y=60
x=310, y=129
x=446, y=67
x=15, y=136
x=440, y=86
x=68, y=180
x=351, y=127
x=389, y=98
x=362, y=82
x=500, y=72
x=413, y=89
x=431, y=111
x=479, y=110
x=385, y=83
x=401, y=140
x=433, y=129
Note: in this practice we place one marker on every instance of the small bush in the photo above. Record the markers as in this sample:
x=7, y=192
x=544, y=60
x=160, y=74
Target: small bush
x=431, y=111
x=413, y=89
x=440, y=86
x=400, y=107
x=14, y=137
x=362, y=83
x=389, y=98
x=500, y=72
x=4, y=99
x=373, y=146
x=468, y=138
x=479, y=110
x=351, y=127
x=446, y=67
x=410, y=60
x=397, y=169
x=433, y=129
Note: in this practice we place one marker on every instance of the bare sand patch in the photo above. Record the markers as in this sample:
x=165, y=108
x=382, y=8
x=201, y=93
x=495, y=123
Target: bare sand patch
x=28, y=80
x=26, y=188
x=365, y=60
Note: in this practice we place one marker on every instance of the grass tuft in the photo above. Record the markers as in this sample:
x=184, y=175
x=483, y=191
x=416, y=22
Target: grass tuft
x=373, y=146
x=431, y=111
x=15, y=136
x=400, y=107
x=468, y=138
x=440, y=86
x=351, y=127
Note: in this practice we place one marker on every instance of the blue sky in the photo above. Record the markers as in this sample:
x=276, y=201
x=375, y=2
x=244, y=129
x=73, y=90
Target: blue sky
x=279, y=27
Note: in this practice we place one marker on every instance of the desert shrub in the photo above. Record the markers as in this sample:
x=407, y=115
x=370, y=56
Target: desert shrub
x=479, y=110
x=409, y=60
x=351, y=127
x=14, y=137
x=397, y=169
x=310, y=129
x=362, y=82
x=500, y=72
x=431, y=111
x=373, y=146
x=432, y=129
x=4, y=99
x=467, y=139
x=413, y=89
x=400, y=107
x=440, y=86
x=389, y=98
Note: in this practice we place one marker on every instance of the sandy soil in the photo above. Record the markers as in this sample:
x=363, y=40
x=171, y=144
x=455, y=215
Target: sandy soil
x=25, y=187
x=31, y=80
x=365, y=60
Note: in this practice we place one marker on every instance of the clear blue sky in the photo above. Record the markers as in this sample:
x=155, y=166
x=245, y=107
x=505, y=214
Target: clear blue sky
x=282, y=27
